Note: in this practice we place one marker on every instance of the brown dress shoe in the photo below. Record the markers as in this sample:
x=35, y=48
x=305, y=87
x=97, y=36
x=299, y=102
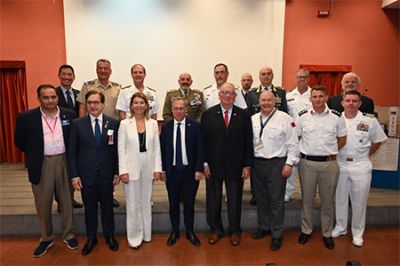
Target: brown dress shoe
x=213, y=238
x=235, y=240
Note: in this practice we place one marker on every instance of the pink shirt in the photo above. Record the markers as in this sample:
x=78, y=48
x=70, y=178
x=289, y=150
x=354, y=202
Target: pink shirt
x=52, y=134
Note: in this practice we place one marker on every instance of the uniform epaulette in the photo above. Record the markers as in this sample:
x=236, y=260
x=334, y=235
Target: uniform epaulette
x=151, y=89
x=114, y=83
x=302, y=112
x=336, y=112
x=126, y=87
x=173, y=90
x=89, y=82
x=292, y=90
x=369, y=115
x=207, y=87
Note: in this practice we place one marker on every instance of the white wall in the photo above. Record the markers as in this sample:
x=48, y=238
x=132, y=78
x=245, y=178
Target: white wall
x=172, y=36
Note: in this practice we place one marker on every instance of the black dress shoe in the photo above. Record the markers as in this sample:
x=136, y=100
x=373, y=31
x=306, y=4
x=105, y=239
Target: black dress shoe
x=328, y=242
x=172, y=238
x=260, y=233
x=276, y=244
x=303, y=238
x=89, y=246
x=76, y=205
x=193, y=239
x=115, y=203
x=253, y=201
x=112, y=243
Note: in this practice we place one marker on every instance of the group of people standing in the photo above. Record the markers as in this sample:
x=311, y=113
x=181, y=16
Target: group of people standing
x=224, y=133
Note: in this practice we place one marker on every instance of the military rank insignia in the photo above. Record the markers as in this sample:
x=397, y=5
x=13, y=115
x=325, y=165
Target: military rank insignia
x=196, y=100
x=362, y=126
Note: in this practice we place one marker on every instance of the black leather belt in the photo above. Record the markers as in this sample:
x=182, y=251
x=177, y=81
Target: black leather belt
x=265, y=159
x=318, y=158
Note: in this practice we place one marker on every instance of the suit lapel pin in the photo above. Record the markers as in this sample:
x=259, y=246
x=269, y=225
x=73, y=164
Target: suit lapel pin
x=189, y=124
x=106, y=125
x=234, y=114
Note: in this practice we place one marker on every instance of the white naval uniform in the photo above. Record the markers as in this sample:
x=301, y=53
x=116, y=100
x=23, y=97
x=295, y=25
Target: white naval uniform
x=319, y=133
x=125, y=96
x=356, y=172
x=296, y=102
x=211, y=97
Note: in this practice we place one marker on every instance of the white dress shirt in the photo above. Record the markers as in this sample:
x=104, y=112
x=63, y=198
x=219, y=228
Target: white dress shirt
x=279, y=138
x=297, y=102
x=183, y=131
x=93, y=122
x=319, y=132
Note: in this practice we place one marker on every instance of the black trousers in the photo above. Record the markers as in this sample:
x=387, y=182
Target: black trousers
x=181, y=185
x=234, y=191
x=91, y=196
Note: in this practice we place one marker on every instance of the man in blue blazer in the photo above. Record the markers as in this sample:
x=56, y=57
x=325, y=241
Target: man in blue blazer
x=93, y=162
x=67, y=99
x=228, y=149
x=42, y=134
x=182, y=160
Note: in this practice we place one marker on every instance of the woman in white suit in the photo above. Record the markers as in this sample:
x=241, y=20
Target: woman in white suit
x=139, y=163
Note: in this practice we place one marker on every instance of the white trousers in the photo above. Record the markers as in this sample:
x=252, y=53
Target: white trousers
x=354, y=182
x=291, y=183
x=138, y=207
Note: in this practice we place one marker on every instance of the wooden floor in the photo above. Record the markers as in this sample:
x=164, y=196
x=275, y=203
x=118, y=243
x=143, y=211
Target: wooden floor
x=381, y=248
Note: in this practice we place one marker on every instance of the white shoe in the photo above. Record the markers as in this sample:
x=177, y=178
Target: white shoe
x=337, y=233
x=358, y=241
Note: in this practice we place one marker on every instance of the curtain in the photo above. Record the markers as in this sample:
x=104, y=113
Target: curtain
x=13, y=99
x=327, y=75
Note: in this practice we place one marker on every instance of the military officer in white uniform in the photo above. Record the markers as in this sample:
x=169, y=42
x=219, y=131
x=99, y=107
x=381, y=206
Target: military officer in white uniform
x=322, y=133
x=210, y=93
x=364, y=137
x=297, y=99
x=276, y=151
x=138, y=73
x=110, y=89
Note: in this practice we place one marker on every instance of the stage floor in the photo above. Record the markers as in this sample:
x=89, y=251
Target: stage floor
x=16, y=194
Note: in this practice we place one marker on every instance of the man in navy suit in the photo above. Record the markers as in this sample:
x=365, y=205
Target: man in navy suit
x=228, y=148
x=42, y=134
x=351, y=81
x=93, y=162
x=67, y=99
x=182, y=160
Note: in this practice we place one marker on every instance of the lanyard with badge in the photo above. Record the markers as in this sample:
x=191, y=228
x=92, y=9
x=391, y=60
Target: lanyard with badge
x=54, y=143
x=259, y=144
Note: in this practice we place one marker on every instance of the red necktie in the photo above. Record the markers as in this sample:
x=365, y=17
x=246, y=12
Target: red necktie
x=226, y=118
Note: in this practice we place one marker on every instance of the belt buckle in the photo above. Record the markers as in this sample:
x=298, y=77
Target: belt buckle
x=349, y=159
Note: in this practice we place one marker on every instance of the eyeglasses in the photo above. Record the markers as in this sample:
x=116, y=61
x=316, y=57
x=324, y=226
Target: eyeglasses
x=303, y=77
x=227, y=93
x=93, y=103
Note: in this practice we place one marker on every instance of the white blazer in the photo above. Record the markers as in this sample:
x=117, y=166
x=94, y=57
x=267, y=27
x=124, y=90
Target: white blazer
x=128, y=149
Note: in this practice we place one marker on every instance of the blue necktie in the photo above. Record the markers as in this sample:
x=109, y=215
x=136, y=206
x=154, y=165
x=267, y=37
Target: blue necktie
x=178, y=148
x=97, y=132
x=70, y=103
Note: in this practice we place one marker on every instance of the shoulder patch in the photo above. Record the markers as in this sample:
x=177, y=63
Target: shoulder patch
x=90, y=82
x=126, y=87
x=302, y=112
x=336, y=112
x=369, y=115
x=207, y=87
x=151, y=89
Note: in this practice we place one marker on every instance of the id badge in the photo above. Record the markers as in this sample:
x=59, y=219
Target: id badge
x=110, y=134
x=259, y=145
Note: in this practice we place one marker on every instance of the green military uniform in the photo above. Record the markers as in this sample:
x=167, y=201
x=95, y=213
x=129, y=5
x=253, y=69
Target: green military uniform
x=110, y=92
x=194, y=104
